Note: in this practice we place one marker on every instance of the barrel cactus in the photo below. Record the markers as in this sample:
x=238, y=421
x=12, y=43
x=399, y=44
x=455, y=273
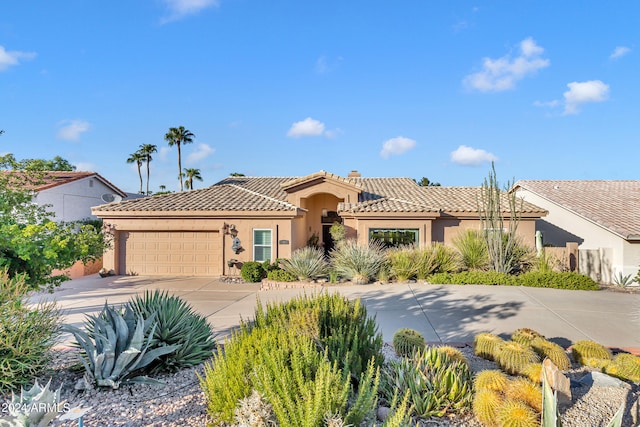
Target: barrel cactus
x=586, y=349
x=533, y=371
x=525, y=335
x=514, y=413
x=525, y=391
x=491, y=379
x=514, y=357
x=487, y=345
x=625, y=366
x=407, y=341
x=452, y=353
x=486, y=404
x=552, y=351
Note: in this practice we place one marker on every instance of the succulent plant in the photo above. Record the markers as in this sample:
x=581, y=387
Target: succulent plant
x=525, y=335
x=533, y=371
x=525, y=391
x=117, y=350
x=452, y=353
x=552, y=351
x=407, y=341
x=514, y=357
x=176, y=324
x=487, y=345
x=254, y=411
x=491, y=379
x=624, y=366
x=36, y=407
x=513, y=413
x=586, y=349
x=596, y=363
x=485, y=406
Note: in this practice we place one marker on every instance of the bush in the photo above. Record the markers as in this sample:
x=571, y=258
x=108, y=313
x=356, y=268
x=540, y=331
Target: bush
x=280, y=275
x=176, y=324
x=447, y=259
x=472, y=247
x=558, y=280
x=26, y=334
x=252, y=272
x=403, y=263
x=306, y=263
x=358, y=263
x=473, y=278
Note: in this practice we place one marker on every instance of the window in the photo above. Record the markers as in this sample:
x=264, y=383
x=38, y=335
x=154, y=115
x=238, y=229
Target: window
x=391, y=237
x=261, y=244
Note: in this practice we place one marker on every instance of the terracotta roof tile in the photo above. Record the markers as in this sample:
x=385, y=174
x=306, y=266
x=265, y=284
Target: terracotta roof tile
x=38, y=181
x=614, y=205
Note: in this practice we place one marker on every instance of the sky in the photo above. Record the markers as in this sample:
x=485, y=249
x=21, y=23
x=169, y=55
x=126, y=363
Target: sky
x=415, y=88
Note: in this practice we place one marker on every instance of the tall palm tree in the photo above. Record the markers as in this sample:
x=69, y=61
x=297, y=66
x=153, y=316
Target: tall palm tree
x=178, y=136
x=137, y=158
x=191, y=174
x=147, y=150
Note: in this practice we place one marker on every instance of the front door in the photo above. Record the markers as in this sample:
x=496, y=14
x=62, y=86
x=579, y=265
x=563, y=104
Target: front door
x=326, y=238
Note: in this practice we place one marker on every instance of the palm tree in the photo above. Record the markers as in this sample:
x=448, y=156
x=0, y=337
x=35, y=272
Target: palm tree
x=177, y=136
x=163, y=187
x=191, y=174
x=137, y=158
x=147, y=150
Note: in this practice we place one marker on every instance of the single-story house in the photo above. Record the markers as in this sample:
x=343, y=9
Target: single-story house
x=68, y=195
x=210, y=231
x=602, y=216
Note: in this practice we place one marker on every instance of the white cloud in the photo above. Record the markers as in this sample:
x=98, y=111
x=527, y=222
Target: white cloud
x=179, y=9
x=163, y=153
x=395, y=146
x=202, y=152
x=70, y=130
x=469, y=156
x=323, y=65
x=551, y=104
x=502, y=74
x=9, y=58
x=580, y=93
x=619, y=52
x=306, y=127
x=88, y=167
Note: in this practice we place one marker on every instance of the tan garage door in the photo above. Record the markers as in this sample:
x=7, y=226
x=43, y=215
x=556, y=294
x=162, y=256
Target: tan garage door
x=173, y=253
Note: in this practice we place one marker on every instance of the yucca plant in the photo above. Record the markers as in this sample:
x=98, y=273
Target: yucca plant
x=472, y=248
x=403, y=262
x=117, y=350
x=427, y=262
x=177, y=324
x=358, y=262
x=306, y=263
x=447, y=259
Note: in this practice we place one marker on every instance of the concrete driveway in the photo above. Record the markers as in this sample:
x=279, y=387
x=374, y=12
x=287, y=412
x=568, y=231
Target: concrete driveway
x=443, y=313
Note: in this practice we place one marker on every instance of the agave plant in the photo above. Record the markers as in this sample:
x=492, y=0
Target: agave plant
x=176, y=325
x=357, y=262
x=35, y=407
x=117, y=350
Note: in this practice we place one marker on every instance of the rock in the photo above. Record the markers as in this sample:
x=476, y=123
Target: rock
x=598, y=379
x=383, y=413
x=558, y=382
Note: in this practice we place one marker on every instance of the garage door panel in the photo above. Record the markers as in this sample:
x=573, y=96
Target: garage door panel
x=172, y=253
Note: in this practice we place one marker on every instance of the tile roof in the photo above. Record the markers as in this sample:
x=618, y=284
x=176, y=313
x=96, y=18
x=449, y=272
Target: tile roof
x=614, y=205
x=38, y=181
x=390, y=195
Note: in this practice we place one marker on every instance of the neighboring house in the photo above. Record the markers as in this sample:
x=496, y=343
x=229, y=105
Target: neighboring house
x=213, y=230
x=603, y=217
x=71, y=195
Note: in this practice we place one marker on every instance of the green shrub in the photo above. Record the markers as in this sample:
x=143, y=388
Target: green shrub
x=26, y=334
x=305, y=263
x=473, y=278
x=403, y=263
x=252, y=272
x=558, y=280
x=176, y=324
x=356, y=262
x=427, y=262
x=447, y=259
x=280, y=275
x=472, y=248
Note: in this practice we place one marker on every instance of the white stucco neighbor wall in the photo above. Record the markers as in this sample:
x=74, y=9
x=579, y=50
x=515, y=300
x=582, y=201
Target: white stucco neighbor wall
x=73, y=201
x=562, y=225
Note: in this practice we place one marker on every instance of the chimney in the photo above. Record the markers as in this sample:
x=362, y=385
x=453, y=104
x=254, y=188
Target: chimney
x=354, y=174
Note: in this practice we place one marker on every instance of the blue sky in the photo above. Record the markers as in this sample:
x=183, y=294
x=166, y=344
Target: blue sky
x=548, y=90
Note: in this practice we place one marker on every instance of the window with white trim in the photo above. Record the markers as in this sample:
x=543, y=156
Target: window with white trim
x=392, y=237
x=261, y=244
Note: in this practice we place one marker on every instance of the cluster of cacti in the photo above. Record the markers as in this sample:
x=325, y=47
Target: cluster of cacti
x=552, y=351
x=254, y=411
x=624, y=366
x=533, y=371
x=525, y=336
x=514, y=357
x=407, y=341
x=503, y=402
x=590, y=353
x=436, y=384
x=487, y=345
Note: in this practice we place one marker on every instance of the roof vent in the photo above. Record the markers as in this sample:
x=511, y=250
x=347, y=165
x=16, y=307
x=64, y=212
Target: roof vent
x=110, y=198
x=354, y=174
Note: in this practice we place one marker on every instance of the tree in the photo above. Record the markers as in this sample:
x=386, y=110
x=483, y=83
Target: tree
x=178, y=136
x=424, y=182
x=492, y=206
x=191, y=174
x=137, y=158
x=163, y=187
x=8, y=161
x=236, y=174
x=147, y=150
x=32, y=243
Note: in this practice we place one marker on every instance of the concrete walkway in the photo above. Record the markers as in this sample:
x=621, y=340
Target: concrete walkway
x=444, y=314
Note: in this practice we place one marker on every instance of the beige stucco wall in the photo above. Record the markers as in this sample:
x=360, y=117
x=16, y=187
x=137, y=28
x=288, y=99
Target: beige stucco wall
x=314, y=206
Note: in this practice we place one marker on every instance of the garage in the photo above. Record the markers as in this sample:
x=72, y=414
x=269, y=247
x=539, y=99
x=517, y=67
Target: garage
x=170, y=253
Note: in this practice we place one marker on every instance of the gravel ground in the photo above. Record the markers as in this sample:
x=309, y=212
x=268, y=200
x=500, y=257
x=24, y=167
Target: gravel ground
x=181, y=402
